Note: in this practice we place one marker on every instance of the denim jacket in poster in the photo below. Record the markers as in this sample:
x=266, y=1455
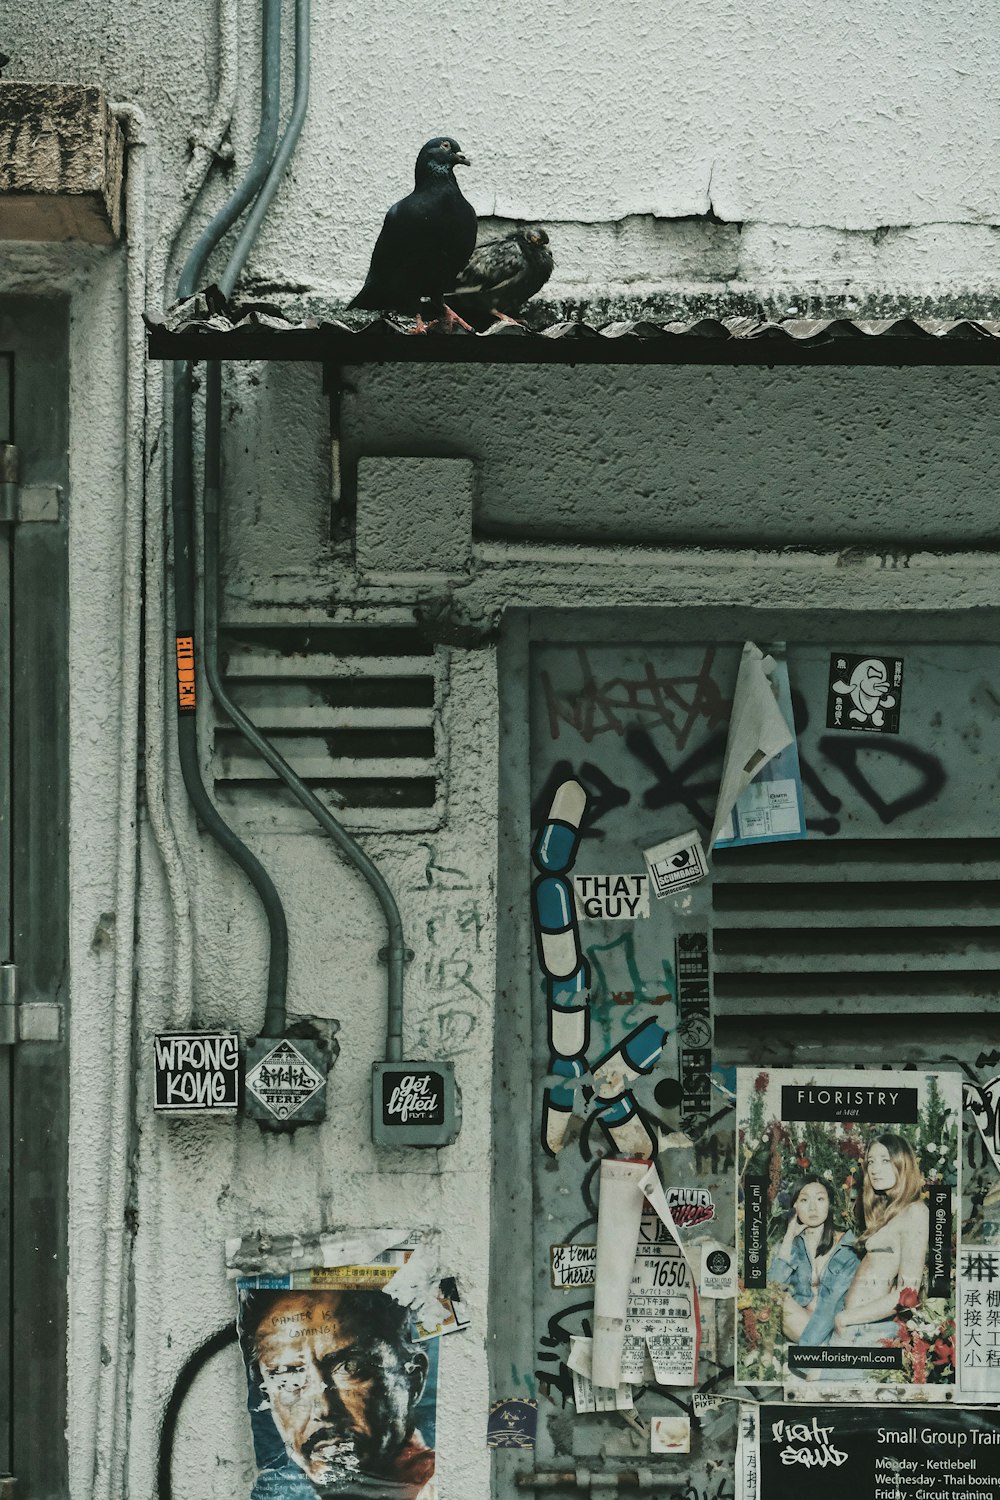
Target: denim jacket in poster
x=837, y=1276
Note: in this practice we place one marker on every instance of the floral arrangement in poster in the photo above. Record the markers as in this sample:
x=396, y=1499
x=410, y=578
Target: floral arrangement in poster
x=846, y=1225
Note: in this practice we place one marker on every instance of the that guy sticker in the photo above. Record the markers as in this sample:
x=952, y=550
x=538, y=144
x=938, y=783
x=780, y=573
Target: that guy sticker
x=614, y=897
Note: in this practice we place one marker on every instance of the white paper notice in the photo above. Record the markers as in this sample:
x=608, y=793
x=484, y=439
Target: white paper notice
x=979, y=1323
x=660, y=1319
x=619, y=1211
x=757, y=731
x=767, y=808
x=676, y=863
x=586, y=1395
x=748, y=1454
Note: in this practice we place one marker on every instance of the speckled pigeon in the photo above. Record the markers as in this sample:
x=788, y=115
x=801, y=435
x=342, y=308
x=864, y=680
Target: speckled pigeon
x=425, y=241
x=503, y=274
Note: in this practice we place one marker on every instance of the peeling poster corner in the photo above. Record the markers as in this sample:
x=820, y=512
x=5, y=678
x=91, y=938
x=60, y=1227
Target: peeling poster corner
x=342, y=1368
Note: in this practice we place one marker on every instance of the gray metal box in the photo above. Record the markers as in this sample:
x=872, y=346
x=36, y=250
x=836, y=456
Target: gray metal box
x=284, y=1082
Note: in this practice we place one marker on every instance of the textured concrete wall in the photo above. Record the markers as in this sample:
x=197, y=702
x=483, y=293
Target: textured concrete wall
x=846, y=152
x=841, y=146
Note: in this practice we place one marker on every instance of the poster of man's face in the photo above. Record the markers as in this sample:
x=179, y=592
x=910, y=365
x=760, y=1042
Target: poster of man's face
x=342, y=1395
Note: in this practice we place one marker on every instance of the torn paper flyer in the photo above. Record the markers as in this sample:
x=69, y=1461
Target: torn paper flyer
x=587, y=1396
x=758, y=732
x=770, y=810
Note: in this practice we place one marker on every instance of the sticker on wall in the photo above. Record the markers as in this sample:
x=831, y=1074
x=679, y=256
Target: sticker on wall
x=694, y=1012
x=865, y=693
x=572, y=1265
x=983, y=1103
x=859, y=1169
x=690, y=1206
x=670, y=1435
x=196, y=1072
x=676, y=863
x=704, y=1406
x=283, y=1080
x=612, y=897
x=718, y=1270
x=512, y=1423
x=372, y=1429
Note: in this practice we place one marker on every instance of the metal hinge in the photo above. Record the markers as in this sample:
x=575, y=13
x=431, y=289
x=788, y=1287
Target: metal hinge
x=30, y=1021
x=25, y=502
x=8, y=1487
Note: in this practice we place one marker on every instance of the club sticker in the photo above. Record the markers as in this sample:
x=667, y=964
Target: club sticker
x=865, y=693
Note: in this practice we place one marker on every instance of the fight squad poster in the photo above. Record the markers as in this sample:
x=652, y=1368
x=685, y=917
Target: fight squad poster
x=941, y=1453
x=848, y=1208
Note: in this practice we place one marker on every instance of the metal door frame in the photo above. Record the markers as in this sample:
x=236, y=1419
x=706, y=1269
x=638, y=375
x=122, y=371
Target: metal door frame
x=34, y=754
x=511, y=1340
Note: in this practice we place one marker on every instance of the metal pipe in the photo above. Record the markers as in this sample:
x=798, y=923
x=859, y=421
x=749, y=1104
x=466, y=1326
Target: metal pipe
x=585, y=1481
x=349, y=848
x=279, y=164
x=206, y=148
x=183, y=517
x=111, y=1422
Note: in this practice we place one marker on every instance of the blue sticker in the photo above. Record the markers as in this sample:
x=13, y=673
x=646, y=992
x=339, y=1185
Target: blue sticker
x=512, y=1423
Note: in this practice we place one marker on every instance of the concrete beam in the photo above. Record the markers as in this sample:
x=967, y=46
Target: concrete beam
x=62, y=156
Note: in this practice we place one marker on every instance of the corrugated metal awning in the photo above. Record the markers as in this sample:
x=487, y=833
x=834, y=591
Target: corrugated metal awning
x=262, y=335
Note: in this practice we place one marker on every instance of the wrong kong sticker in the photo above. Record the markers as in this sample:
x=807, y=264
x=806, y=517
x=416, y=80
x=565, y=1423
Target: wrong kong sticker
x=848, y=1206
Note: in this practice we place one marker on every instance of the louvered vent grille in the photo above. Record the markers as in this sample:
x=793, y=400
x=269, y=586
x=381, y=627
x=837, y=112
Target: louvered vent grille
x=352, y=709
x=860, y=926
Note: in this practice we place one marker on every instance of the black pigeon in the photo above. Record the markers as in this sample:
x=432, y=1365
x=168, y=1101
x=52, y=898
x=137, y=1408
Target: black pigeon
x=426, y=239
x=503, y=274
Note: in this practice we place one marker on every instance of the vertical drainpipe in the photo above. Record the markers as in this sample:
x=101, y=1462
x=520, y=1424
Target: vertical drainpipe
x=183, y=511
x=274, y=1020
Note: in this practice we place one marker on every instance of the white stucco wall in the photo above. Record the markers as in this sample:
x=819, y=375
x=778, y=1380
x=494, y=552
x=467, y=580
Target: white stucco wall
x=811, y=129
x=806, y=128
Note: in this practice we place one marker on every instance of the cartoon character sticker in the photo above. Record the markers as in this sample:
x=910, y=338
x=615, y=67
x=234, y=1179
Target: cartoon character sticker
x=865, y=693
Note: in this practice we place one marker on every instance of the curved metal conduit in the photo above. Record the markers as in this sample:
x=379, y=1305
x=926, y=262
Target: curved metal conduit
x=183, y=507
x=349, y=848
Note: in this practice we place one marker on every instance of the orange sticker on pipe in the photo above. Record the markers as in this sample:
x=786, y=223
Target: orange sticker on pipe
x=185, y=674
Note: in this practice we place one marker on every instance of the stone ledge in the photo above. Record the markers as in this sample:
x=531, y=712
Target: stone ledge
x=62, y=159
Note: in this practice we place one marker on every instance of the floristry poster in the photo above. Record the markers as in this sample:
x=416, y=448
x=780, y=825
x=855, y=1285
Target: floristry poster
x=848, y=1208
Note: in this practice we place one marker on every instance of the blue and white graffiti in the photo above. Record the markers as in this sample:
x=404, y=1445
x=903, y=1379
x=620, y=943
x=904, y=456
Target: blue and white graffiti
x=606, y=1085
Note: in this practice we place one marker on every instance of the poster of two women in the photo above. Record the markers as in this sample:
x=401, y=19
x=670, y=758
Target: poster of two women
x=847, y=1219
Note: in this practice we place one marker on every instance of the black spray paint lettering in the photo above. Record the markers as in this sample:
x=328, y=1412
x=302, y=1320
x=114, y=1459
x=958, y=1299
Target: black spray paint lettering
x=676, y=704
x=674, y=785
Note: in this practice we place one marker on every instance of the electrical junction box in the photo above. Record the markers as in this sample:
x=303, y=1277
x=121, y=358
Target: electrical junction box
x=196, y=1072
x=284, y=1081
x=415, y=1104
